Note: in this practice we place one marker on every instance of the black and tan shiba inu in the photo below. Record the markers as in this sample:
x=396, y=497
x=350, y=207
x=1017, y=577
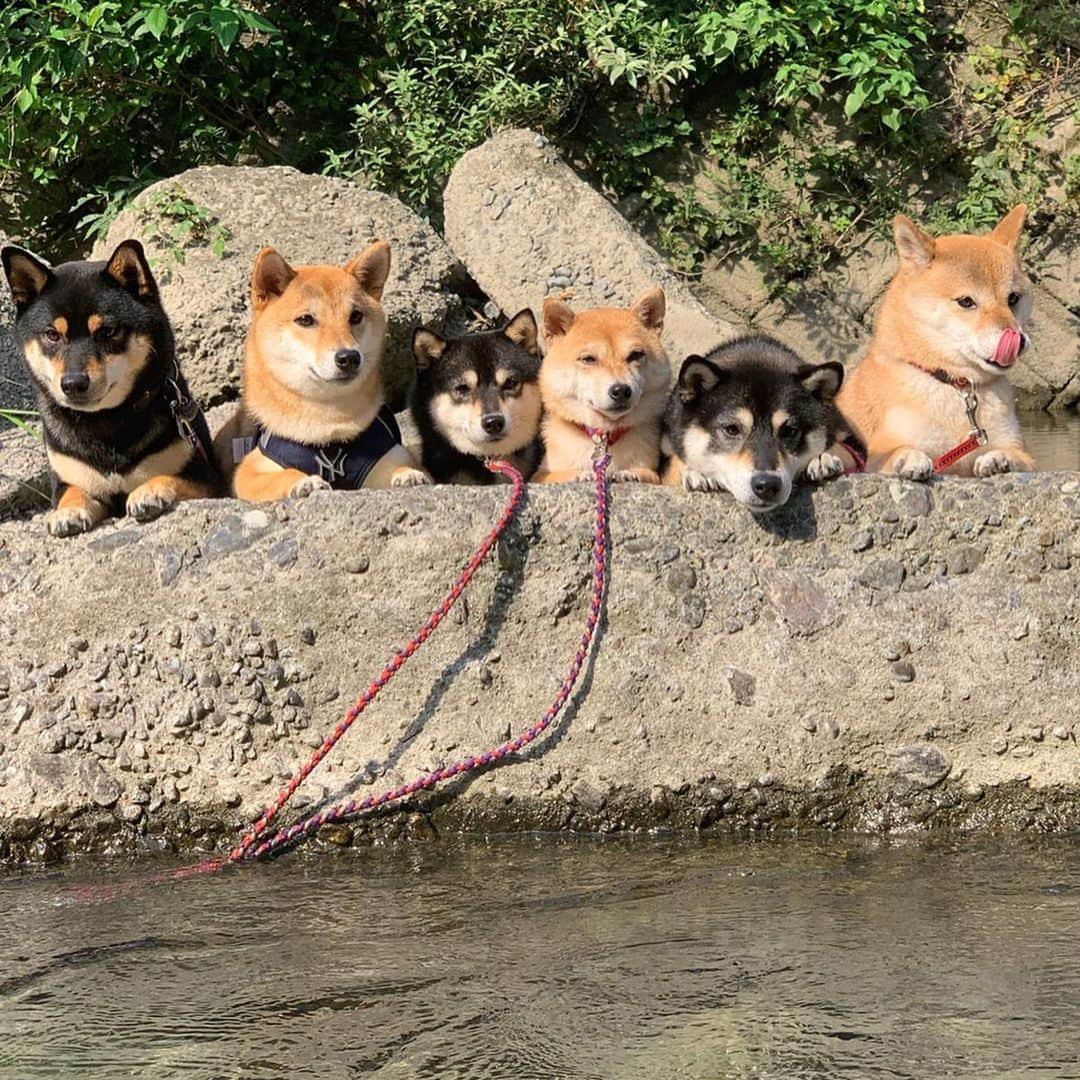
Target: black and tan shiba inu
x=605, y=371
x=750, y=418
x=312, y=414
x=477, y=397
x=121, y=431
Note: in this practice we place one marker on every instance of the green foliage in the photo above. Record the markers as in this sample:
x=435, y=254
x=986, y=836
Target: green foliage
x=23, y=420
x=782, y=130
x=175, y=222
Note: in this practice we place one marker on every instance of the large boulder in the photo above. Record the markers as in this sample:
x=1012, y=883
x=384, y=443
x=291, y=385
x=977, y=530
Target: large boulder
x=877, y=655
x=528, y=227
x=204, y=228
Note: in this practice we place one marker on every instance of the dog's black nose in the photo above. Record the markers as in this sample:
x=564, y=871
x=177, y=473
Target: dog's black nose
x=348, y=359
x=621, y=392
x=493, y=423
x=75, y=383
x=766, y=485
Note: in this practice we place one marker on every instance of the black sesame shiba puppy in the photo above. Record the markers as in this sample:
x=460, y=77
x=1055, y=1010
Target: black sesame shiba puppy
x=477, y=397
x=751, y=418
x=121, y=431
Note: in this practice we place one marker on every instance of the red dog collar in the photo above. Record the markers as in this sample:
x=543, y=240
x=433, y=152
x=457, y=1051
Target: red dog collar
x=612, y=436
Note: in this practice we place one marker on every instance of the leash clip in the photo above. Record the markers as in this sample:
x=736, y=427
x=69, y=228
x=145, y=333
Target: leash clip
x=600, y=445
x=971, y=405
x=184, y=412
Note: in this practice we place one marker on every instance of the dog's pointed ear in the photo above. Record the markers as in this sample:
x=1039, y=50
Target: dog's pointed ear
x=427, y=347
x=371, y=268
x=650, y=308
x=270, y=277
x=1007, y=230
x=128, y=266
x=822, y=380
x=697, y=376
x=26, y=274
x=521, y=330
x=915, y=248
x=558, y=318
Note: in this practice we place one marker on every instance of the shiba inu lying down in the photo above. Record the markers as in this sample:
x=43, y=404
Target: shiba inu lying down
x=605, y=370
x=312, y=415
x=121, y=430
x=751, y=418
x=952, y=321
x=477, y=397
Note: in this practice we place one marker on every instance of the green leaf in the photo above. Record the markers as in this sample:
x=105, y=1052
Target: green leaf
x=854, y=101
x=24, y=99
x=156, y=19
x=226, y=25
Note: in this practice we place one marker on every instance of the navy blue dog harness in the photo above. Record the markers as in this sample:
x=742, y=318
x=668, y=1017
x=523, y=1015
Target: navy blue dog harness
x=344, y=466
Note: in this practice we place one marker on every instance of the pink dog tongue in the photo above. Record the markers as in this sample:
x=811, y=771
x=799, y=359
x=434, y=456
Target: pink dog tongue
x=1008, y=348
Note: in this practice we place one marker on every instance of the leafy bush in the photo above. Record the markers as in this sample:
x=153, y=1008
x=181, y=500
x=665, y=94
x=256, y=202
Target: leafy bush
x=780, y=129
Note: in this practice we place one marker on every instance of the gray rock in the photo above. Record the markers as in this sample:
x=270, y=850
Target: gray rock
x=923, y=765
x=555, y=219
x=885, y=575
x=309, y=219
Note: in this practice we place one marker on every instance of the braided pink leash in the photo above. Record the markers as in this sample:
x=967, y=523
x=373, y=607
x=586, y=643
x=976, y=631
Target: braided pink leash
x=246, y=849
x=471, y=764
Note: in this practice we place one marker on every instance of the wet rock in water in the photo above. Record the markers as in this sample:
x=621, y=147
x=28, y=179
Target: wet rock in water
x=922, y=765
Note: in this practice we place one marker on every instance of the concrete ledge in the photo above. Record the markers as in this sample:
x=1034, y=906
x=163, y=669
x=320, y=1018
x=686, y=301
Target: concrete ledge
x=877, y=656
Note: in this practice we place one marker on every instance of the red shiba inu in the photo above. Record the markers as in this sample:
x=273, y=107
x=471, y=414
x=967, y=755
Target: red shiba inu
x=605, y=371
x=312, y=414
x=950, y=327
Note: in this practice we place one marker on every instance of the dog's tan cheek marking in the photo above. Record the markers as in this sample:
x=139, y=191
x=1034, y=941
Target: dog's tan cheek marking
x=45, y=368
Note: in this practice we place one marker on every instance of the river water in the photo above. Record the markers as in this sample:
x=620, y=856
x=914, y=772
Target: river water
x=545, y=957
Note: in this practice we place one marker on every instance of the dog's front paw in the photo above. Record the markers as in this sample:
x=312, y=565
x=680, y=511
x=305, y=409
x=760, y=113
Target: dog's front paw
x=305, y=487
x=147, y=502
x=69, y=521
x=824, y=467
x=407, y=476
x=697, y=481
x=913, y=465
x=635, y=476
x=996, y=461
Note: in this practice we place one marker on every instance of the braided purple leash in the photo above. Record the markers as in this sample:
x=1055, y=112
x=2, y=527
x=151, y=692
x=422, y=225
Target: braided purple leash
x=471, y=764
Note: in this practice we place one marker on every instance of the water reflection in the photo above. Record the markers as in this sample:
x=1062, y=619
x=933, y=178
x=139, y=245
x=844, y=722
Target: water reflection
x=543, y=958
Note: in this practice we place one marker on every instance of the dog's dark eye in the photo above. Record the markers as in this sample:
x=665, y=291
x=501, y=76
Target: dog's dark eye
x=586, y=359
x=511, y=383
x=636, y=357
x=356, y=318
x=462, y=391
x=51, y=335
x=966, y=302
x=1014, y=299
x=110, y=333
x=789, y=430
x=304, y=320
x=732, y=431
